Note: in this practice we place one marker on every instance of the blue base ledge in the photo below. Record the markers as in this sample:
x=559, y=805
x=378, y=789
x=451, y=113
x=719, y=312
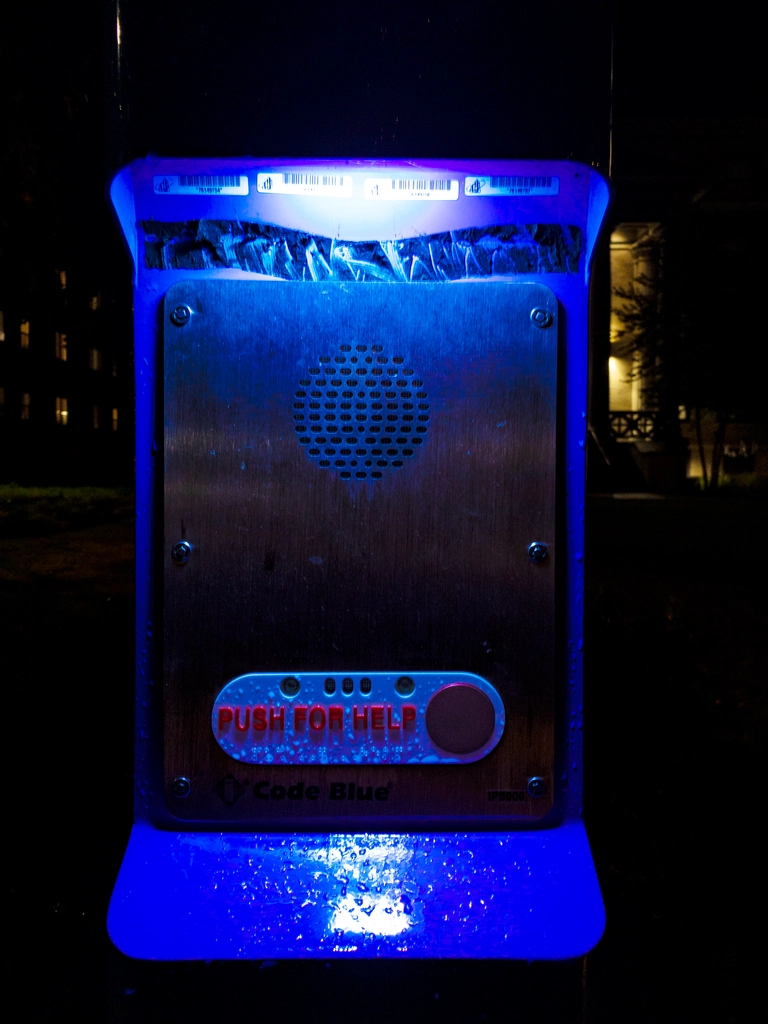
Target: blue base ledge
x=226, y=896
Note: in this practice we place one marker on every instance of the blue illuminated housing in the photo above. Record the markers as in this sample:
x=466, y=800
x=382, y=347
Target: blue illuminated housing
x=513, y=894
x=197, y=895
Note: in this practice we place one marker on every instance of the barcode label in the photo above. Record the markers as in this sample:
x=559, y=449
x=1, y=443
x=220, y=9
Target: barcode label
x=511, y=185
x=304, y=183
x=389, y=189
x=330, y=180
x=201, y=184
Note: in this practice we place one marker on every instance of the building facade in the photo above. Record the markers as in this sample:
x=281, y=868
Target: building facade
x=65, y=384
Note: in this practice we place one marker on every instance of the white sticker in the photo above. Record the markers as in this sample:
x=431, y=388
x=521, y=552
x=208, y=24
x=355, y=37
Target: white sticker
x=201, y=184
x=304, y=183
x=388, y=189
x=511, y=185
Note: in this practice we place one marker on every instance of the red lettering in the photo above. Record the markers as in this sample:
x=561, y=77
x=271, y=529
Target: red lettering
x=409, y=715
x=335, y=716
x=238, y=726
x=279, y=717
x=317, y=718
x=259, y=718
x=360, y=721
x=299, y=716
x=390, y=723
x=225, y=717
x=377, y=717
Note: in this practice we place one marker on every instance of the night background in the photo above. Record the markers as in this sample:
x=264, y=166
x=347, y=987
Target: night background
x=675, y=663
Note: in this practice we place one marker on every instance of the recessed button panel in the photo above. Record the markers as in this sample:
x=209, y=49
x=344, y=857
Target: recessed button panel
x=372, y=718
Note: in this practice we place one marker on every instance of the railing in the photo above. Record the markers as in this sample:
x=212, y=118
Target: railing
x=628, y=425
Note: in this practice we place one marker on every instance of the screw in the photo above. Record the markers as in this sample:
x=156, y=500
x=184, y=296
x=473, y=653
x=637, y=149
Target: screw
x=290, y=686
x=537, y=552
x=181, y=315
x=541, y=317
x=180, y=787
x=536, y=787
x=405, y=686
x=181, y=552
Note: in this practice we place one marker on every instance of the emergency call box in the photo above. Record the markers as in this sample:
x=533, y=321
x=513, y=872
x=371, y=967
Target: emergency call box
x=361, y=395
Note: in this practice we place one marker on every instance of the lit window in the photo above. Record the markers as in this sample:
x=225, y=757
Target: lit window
x=114, y=419
x=95, y=302
x=2, y=326
x=62, y=412
x=25, y=406
x=95, y=359
x=61, y=346
x=95, y=417
x=24, y=333
x=62, y=279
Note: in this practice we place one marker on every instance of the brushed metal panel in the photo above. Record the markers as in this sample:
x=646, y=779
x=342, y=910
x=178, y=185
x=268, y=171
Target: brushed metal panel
x=296, y=569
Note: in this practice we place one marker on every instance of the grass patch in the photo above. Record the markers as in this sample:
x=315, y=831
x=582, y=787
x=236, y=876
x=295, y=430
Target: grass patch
x=40, y=511
x=748, y=484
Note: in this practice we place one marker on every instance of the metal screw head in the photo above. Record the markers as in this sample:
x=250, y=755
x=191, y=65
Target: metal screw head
x=290, y=686
x=180, y=787
x=405, y=686
x=541, y=317
x=536, y=787
x=181, y=315
x=181, y=552
x=537, y=552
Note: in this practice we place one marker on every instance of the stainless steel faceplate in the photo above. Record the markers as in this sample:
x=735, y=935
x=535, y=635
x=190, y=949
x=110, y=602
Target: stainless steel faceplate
x=359, y=470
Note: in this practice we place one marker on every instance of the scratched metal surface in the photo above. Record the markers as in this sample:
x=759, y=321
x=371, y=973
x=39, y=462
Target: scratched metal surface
x=422, y=569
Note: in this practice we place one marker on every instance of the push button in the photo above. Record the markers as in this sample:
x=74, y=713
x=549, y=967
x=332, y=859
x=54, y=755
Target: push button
x=373, y=718
x=460, y=718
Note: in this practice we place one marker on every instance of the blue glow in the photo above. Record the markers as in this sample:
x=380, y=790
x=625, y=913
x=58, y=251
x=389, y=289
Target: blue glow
x=491, y=251
x=195, y=895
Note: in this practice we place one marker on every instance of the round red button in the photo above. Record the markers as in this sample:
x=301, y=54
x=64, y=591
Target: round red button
x=460, y=718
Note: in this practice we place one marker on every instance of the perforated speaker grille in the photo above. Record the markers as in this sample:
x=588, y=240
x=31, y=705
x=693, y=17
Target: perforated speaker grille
x=361, y=413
